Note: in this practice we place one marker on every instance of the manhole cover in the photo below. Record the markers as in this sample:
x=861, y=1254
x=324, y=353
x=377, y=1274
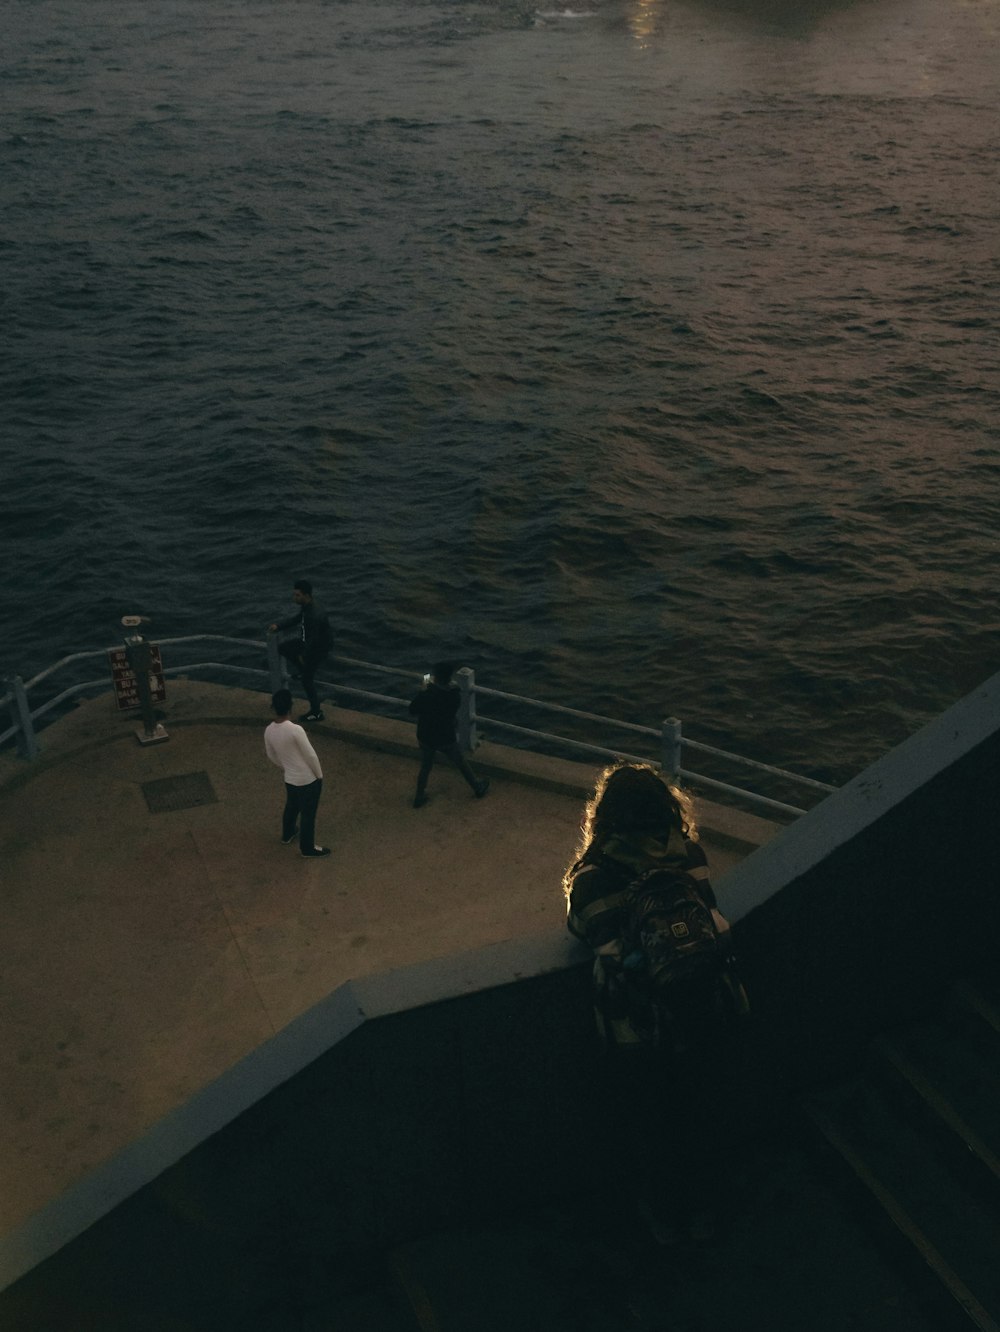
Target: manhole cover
x=194, y=788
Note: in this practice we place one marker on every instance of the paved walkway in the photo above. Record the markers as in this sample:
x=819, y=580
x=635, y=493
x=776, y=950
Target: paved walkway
x=145, y=953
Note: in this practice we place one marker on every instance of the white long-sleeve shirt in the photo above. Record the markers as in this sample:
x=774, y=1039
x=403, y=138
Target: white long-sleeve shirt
x=288, y=746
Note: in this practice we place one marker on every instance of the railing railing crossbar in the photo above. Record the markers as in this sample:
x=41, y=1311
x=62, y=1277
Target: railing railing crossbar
x=713, y=785
x=564, y=740
x=484, y=692
x=753, y=763
x=68, y=693
x=66, y=661
x=213, y=638
x=367, y=694
x=215, y=666
x=379, y=670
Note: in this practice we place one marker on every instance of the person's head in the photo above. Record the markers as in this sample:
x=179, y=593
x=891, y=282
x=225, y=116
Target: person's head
x=632, y=801
x=442, y=671
x=281, y=702
x=302, y=591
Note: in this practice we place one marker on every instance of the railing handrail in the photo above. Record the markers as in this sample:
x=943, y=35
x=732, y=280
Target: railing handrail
x=568, y=712
x=51, y=670
x=164, y=642
x=760, y=767
x=16, y=698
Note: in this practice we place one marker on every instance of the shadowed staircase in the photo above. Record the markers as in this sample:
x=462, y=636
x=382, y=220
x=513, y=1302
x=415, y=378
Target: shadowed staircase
x=920, y=1133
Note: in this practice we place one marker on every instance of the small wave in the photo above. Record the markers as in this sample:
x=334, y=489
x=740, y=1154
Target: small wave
x=192, y=234
x=549, y=14
x=761, y=398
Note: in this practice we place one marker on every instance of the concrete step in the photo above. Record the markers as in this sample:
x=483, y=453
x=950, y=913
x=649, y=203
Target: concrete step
x=380, y=1309
x=955, y=1234
x=980, y=995
x=790, y=1257
x=947, y=1073
x=515, y=1275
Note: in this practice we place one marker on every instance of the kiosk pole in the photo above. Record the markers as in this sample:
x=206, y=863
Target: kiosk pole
x=140, y=658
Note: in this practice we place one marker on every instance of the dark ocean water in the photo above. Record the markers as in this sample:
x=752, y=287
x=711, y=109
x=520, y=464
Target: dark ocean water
x=642, y=353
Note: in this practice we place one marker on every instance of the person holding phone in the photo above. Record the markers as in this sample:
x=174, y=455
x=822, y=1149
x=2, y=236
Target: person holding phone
x=436, y=711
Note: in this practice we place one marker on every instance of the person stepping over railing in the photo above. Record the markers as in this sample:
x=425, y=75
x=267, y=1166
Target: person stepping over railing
x=436, y=708
x=309, y=649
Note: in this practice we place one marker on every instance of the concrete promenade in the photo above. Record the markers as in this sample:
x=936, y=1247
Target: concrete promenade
x=146, y=951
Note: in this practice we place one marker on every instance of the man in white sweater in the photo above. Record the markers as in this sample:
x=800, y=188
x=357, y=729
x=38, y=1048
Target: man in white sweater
x=288, y=747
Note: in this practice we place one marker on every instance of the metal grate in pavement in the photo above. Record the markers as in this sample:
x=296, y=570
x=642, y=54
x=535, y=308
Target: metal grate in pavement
x=186, y=792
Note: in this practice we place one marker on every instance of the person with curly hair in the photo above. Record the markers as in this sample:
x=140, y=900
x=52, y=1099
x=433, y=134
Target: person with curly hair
x=670, y=1097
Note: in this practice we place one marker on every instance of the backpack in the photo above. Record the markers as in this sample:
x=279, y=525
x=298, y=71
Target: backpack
x=677, y=970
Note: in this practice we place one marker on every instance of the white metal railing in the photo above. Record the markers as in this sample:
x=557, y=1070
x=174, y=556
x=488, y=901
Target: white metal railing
x=668, y=738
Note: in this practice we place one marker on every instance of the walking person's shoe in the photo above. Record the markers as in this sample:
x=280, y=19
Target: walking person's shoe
x=285, y=840
x=420, y=800
x=313, y=716
x=482, y=787
x=315, y=852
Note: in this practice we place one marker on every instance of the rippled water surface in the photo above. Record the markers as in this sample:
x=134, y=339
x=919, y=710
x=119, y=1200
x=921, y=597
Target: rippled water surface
x=642, y=353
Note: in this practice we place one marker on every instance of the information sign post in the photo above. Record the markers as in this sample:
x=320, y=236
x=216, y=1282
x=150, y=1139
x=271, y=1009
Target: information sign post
x=137, y=671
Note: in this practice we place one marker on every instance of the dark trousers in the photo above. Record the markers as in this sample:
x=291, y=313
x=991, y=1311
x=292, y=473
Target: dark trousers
x=301, y=803
x=679, y=1116
x=305, y=664
x=451, y=751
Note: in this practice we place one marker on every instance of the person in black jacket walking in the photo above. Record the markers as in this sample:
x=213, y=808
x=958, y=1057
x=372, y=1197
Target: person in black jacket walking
x=310, y=648
x=436, y=708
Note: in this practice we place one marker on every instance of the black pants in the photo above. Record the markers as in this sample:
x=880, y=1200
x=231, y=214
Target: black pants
x=306, y=663
x=452, y=751
x=679, y=1117
x=301, y=803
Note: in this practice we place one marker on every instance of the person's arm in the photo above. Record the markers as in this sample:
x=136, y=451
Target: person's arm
x=280, y=625
x=307, y=752
x=270, y=751
x=697, y=868
x=595, y=902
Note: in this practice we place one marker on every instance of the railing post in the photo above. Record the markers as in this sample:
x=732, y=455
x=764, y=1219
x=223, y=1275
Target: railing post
x=670, y=748
x=20, y=715
x=275, y=664
x=467, y=737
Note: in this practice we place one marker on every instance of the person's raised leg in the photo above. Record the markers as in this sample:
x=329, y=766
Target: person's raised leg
x=309, y=669
x=479, y=785
x=291, y=650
